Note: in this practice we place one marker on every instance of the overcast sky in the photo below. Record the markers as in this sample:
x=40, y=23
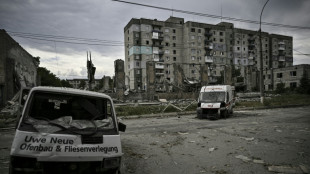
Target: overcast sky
x=105, y=20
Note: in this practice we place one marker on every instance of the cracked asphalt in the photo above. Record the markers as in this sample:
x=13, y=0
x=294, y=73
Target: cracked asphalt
x=250, y=141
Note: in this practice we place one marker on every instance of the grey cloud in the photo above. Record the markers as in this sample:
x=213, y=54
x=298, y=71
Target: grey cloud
x=105, y=20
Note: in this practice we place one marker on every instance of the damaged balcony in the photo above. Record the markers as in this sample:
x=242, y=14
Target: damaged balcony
x=208, y=59
x=281, y=45
x=209, y=46
x=281, y=58
x=158, y=45
x=159, y=66
x=251, y=56
x=157, y=36
x=208, y=32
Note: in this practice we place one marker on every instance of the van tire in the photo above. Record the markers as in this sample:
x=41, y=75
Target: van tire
x=232, y=111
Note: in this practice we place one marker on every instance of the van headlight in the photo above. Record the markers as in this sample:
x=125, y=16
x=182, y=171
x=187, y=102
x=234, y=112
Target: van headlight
x=109, y=163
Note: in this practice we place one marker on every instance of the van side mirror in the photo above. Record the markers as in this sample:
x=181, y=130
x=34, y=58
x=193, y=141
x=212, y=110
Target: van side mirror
x=121, y=127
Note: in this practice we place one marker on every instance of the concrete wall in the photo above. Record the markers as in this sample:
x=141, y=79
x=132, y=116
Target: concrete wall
x=119, y=81
x=17, y=68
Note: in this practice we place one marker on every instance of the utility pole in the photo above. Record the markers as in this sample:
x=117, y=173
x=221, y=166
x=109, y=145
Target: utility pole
x=261, y=56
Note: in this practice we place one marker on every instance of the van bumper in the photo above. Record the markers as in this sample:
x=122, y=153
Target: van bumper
x=208, y=113
x=31, y=165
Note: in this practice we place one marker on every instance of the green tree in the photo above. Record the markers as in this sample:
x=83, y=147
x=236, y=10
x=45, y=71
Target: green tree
x=65, y=83
x=220, y=80
x=280, y=88
x=36, y=61
x=304, y=87
x=235, y=72
x=100, y=86
x=47, y=78
x=82, y=84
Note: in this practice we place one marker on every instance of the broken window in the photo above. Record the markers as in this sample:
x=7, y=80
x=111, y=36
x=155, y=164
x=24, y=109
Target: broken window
x=51, y=112
x=293, y=73
x=192, y=29
x=293, y=84
x=193, y=51
x=279, y=75
x=212, y=96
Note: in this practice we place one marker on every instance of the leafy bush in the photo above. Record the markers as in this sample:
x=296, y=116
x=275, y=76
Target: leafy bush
x=280, y=88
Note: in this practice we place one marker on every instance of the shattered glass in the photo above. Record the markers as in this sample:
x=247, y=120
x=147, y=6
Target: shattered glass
x=66, y=122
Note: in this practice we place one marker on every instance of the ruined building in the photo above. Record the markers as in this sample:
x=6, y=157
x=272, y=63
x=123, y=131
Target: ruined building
x=206, y=53
x=17, y=68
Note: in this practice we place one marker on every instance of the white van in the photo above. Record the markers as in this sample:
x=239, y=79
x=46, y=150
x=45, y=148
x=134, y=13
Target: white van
x=65, y=130
x=215, y=101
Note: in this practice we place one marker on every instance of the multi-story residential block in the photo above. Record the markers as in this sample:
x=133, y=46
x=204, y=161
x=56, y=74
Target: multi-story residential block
x=193, y=45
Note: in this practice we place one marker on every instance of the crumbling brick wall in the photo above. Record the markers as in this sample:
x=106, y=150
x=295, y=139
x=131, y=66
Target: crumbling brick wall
x=119, y=81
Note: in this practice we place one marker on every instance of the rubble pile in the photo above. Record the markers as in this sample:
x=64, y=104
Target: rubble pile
x=9, y=113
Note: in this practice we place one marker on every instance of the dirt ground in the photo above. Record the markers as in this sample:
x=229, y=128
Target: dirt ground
x=257, y=141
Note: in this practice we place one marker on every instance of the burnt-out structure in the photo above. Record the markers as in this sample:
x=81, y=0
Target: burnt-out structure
x=17, y=68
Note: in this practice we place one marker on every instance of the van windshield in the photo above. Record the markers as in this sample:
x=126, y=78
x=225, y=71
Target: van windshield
x=212, y=96
x=53, y=112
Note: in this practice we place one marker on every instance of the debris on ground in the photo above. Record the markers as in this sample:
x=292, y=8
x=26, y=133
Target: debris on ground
x=211, y=149
x=258, y=161
x=243, y=158
x=285, y=169
x=248, y=139
x=304, y=169
x=278, y=130
x=183, y=133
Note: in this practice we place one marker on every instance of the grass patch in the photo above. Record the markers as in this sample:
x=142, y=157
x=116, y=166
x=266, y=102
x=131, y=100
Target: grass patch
x=289, y=99
x=153, y=109
x=285, y=99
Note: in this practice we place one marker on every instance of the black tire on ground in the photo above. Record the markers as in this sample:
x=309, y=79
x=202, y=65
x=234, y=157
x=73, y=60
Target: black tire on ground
x=224, y=114
x=232, y=111
x=199, y=116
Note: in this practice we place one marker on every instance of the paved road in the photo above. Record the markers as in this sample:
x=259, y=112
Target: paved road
x=248, y=142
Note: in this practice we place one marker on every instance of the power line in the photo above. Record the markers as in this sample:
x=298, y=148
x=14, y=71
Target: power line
x=301, y=53
x=63, y=37
x=215, y=16
x=88, y=41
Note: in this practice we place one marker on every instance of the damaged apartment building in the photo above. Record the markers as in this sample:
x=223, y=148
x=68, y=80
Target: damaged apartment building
x=17, y=68
x=199, y=53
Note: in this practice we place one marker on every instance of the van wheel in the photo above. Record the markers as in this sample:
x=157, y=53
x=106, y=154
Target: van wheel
x=224, y=114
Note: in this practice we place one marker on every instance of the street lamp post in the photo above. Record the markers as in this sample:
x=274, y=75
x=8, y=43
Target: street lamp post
x=261, y=56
